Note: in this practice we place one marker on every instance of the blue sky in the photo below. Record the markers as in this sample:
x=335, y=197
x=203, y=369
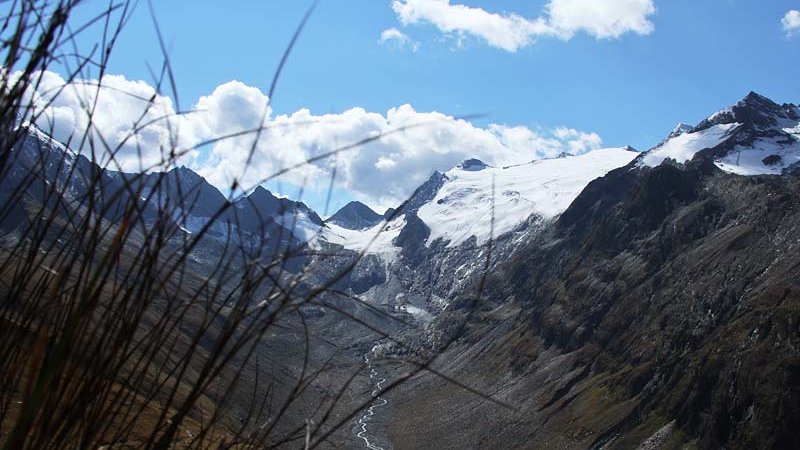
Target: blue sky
x=632, y=89
x=702, y=55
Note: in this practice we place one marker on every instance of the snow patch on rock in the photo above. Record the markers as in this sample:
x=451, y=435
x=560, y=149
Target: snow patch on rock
x=378, y=240
x=300, y=224
x=764, y=157
x=683, y=147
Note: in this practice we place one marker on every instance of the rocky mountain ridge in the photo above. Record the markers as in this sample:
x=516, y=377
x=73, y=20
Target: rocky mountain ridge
x=660, y=310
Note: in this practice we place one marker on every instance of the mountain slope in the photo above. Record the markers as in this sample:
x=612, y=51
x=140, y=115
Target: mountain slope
x=435, y=242
x=661, y=307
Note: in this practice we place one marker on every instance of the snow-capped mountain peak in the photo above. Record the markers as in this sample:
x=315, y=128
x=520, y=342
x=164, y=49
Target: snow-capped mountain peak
x=464, y=205
x=755, y=136
x=680, y=129
x=475, y=200
x=754, y=110
x=262, y=208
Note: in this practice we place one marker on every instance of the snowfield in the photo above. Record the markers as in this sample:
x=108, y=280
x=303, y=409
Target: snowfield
x=463, y=206
x=683, y=147
x=376, y=240
x=750, y=160
x=301, y=226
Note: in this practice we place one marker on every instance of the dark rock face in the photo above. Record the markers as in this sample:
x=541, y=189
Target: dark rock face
x=773, y=160
x=42, y=172
x=355, y=216
x=423, y=194
x=662, y=296
x=473, y=165
x=412, y=239
x=262, y=207
x=187, y=190
x=367, y=273
x=692, y=269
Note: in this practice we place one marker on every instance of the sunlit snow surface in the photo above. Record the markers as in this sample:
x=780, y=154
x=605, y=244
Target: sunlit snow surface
x=463, y=206
x=750, y=160
x=682, y=148
x=301, y=226
x=375, y=240
x=742, y=160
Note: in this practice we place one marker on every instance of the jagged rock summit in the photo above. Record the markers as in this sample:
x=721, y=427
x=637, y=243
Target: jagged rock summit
x=355, y=216
x=473, y=165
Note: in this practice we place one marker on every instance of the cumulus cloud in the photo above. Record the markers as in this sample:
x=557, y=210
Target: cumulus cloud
x=791, y=22
x=400, y=39
x=382, y=172
x=116, y=116
x=578, y=141
x=602, y=19
x=508, y=32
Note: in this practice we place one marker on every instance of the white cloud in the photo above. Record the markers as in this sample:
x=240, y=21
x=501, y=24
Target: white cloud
x=578, y=141
x=602, y=19
x=232, y=107
x=64, y=111
x=508, y=32
x=382, y=173
x=401, y=39
x=791, y=22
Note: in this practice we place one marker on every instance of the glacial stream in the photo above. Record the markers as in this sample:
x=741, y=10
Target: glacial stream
x=378, y=402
